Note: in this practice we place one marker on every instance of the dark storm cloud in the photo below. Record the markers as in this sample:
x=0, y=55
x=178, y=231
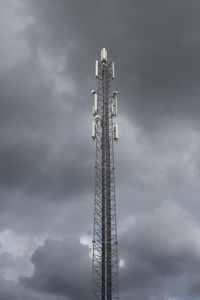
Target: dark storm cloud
x=34, y=123
x=154, y=38
x=46, y=153
x=40, y=158
x=10, y=291
x=194, y=290
x=44, y=138
x=155, y=45
x=61, y=268
x=159, y=248
x=30, y=135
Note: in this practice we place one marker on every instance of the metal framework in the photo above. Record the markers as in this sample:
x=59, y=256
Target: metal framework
x=105, y=131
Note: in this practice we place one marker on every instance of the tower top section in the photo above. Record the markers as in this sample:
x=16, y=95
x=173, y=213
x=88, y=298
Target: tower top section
x=104, y=62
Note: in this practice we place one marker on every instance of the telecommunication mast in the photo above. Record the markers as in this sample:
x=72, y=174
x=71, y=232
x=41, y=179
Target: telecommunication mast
x=105, y=132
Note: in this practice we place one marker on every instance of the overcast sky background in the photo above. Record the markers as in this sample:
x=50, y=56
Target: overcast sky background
x=47, y=54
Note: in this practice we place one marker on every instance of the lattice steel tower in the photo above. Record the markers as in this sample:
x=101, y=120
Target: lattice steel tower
x=104, y=132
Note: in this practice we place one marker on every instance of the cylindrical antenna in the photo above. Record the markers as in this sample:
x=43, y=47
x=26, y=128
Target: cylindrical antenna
x=103, y=55
x=96, y=68
x=113, y=70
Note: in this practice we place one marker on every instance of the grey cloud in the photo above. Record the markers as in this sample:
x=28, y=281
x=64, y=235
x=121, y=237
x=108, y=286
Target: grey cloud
x=12, y=267
x=46, y=155
x=61, y=268
x=154, y=45
x=30, y=154
x=10, y=290
x=34, y=124
x=160, y=247
x=194, y=290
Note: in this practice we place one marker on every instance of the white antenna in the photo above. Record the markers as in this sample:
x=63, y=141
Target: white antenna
x=113, y=70
x=96, y=68
x=95, y=103
x=103, y=55
x=114, y=104
x=94, y=130
x=115, y=132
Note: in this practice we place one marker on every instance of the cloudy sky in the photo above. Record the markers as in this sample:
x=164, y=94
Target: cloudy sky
x=47, y=54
